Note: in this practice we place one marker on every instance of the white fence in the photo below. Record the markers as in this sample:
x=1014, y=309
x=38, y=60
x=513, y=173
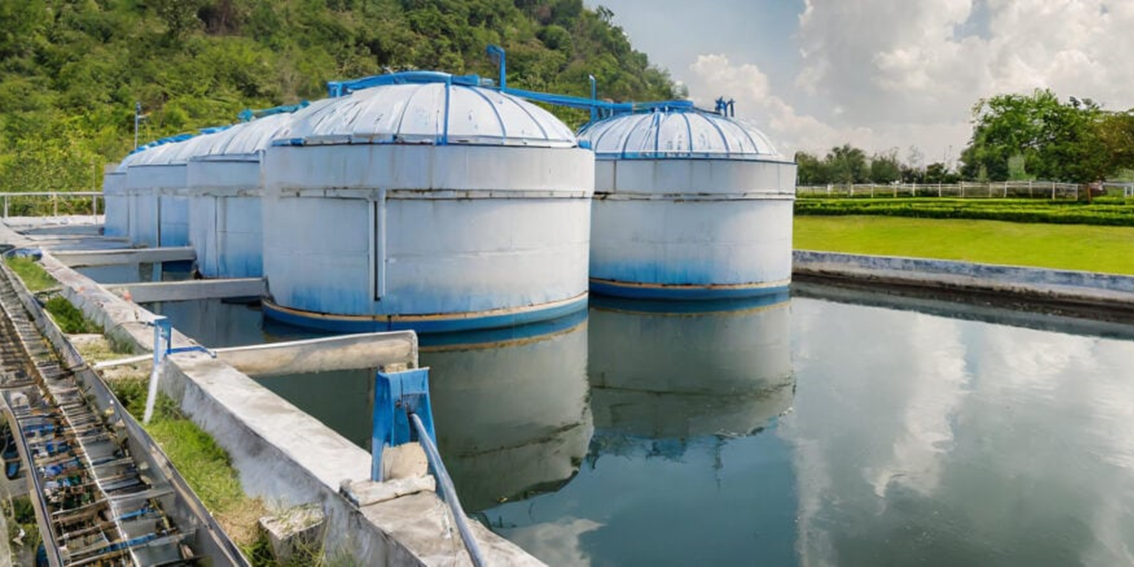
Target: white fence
x=965, y=190
x=41, y=203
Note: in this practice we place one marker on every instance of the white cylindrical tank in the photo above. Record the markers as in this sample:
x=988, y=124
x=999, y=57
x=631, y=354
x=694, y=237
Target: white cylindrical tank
x=688, y=205
x=116, y=201
x=156, y=187
x=142, y=175
x=224, y=190
x=435, y=206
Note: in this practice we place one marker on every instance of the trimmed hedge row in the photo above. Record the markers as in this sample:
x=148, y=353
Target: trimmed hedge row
x=1011, y=210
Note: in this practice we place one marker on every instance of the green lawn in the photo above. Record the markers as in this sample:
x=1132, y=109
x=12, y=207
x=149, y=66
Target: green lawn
x=1073, y=247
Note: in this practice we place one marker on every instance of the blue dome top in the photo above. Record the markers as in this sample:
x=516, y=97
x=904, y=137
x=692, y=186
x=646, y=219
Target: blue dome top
x=434, y=112
x=676, y=133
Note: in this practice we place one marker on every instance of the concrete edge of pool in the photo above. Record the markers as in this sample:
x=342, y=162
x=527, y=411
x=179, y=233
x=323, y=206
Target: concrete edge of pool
x=1091, y=294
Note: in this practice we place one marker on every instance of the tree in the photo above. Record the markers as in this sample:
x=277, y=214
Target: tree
x=935, y=173
x=847, y=164
x=71, y=71
x=811, y=170
x=1075, y=141
x=885, y=167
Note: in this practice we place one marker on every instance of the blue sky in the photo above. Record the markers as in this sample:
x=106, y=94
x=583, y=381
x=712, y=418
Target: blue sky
x=885, y=75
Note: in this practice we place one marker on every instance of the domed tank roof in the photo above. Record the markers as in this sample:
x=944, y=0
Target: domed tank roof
x=433, y=112
x=176, y=150
x=155, y=155
x=245, y=139
x=676, y=133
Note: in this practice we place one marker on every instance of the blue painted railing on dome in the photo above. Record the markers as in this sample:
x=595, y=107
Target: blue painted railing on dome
x=337, y=89
x=162, y=141
x=246, y=115
x=180, y=138
x=598, y=108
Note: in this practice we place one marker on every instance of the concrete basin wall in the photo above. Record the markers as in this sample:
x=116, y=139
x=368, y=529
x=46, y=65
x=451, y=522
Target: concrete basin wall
x=1060, y=285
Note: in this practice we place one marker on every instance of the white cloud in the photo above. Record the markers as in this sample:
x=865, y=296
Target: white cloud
x=713, y=75
x=557, y=542
x=895, y=73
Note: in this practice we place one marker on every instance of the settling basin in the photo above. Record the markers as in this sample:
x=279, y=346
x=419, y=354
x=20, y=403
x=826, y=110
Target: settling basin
x=862, y=430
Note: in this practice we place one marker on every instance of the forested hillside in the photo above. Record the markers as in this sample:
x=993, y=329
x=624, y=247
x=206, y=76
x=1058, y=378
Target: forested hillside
x=71, y=70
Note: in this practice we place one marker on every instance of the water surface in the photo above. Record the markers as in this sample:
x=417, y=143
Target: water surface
x=862, y=431
x=908, y=438
x=138, y=272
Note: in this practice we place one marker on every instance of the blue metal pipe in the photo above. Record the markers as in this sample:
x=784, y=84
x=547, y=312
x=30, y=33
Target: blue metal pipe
x=498, y=52
x=448, y=491
x=594, y=96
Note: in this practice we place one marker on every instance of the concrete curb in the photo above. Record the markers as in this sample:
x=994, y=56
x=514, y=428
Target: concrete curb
x=1075, y=287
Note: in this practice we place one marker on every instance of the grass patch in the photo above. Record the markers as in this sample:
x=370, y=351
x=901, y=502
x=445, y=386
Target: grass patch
x=94, y=347
x=68, y=317
x=204, y=464
x=1070, y=247
x=35, y=278
x=1104, y=213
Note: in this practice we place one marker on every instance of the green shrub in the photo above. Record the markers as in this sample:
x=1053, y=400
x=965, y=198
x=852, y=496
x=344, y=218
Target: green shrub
x=68, y=317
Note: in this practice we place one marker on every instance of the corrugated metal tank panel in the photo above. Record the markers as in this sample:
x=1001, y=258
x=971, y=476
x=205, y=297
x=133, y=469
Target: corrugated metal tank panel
x=173, y=214
x=146, y=174
x=163, y=171
x=143, y=215
x=225, y=232
x=688, y=205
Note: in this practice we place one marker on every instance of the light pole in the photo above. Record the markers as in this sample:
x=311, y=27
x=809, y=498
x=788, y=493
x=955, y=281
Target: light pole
x=137, y=117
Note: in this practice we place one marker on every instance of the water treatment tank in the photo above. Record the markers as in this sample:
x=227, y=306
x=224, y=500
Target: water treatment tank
x=116, y=202
x=425, y=202
x=142, y=174
x=156, y=185
x=688, y=204
x=224, y=190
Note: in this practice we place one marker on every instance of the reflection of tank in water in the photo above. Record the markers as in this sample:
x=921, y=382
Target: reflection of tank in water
x=511, y=411
x=659, y=373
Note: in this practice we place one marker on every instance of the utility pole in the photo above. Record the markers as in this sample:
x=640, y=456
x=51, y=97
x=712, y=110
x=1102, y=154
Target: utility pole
x=137, y=118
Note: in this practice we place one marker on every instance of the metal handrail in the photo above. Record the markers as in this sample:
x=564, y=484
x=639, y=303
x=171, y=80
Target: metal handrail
x=448, y=491
x=55, y=196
